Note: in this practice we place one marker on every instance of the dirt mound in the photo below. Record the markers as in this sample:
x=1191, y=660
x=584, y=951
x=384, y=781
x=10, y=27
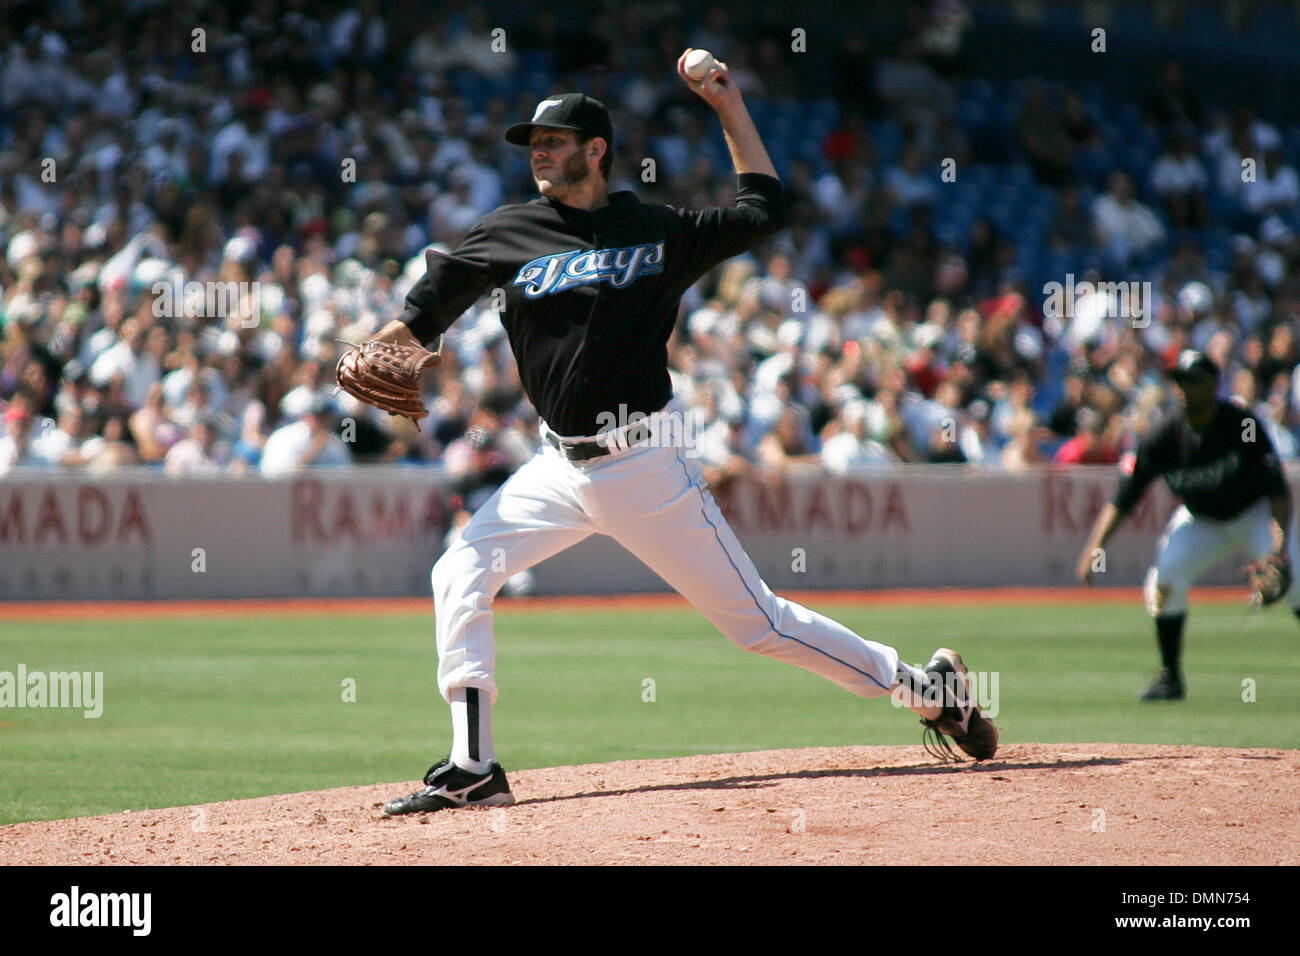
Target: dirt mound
x=1036, y=803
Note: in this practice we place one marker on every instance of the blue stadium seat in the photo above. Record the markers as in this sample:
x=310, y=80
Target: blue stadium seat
x=1204, y=20
x=809, y=149
x=1095, y=96
x=790, y=109
x=1018, y=173
x=816, y=130
x=978, y=91
x=781, y=128
x=1129, y=117
x=825, y=111
x=981, y=175
x=1006, y=112
x=1044, y=196
x=1009, y=193
x=888, y=137
x=1003, y=216
x=970, y=191
x=1137, y=159
x=1027, y=234
x=538, y=82
x=950, y=234
x=972, y=116
x=536, y=61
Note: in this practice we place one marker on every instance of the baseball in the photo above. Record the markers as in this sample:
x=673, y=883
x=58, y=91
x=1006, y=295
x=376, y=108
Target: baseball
x=698, y=64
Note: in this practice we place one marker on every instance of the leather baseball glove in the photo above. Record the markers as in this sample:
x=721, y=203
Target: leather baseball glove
x=1269, y=578
x=387, y=375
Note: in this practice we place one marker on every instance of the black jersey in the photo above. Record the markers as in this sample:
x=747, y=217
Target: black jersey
x=1218, y=471
x=591, y=297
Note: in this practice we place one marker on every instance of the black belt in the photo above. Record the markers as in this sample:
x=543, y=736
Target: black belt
x=587, y=450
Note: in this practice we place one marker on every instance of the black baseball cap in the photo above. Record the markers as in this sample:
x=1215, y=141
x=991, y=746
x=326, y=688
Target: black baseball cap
x=1193, y=365
x=575, y=111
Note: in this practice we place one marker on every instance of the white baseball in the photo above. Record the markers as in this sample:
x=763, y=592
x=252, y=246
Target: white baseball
x=698, y=64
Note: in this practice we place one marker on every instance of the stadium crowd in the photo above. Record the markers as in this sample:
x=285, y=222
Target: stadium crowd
x=313, y=151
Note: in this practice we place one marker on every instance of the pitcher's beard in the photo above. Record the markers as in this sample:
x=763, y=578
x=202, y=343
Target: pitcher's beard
x=572, y=172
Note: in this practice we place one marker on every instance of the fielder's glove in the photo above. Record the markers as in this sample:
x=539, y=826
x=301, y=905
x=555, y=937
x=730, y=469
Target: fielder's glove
x=387, y=376
x=1269, y=578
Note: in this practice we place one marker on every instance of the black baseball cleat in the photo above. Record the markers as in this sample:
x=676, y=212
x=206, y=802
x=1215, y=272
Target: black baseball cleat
x=961, y=718
x=448, y=786
x=1168, y=685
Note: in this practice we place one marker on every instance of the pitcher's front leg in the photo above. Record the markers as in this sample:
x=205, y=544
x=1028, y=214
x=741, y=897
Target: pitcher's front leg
x=534, y=515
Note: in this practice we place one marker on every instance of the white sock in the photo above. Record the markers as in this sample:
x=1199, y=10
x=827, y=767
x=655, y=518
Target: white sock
x=471, y=729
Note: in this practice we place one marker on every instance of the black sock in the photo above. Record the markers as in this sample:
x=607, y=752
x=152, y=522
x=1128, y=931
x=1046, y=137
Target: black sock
x=1297, y=612
x=1169, y=635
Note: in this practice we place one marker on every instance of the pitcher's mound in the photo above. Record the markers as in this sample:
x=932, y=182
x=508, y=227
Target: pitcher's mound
x=1036, y=803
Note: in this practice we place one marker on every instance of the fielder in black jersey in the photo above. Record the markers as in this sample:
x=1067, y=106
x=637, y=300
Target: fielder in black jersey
x=592, y=282
x=1216, y=456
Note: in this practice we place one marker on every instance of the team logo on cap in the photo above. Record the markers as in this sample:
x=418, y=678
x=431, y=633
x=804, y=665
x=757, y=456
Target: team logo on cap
x=543, y=106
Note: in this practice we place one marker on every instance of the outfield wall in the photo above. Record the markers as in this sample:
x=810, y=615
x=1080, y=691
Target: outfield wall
x=377, y=531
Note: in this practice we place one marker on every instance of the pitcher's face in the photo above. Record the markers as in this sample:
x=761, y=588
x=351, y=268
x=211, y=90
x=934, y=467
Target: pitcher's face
x=558, y=162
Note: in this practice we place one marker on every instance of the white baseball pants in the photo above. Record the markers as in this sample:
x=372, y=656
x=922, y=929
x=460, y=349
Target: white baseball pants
x=1192, y=545
x=653, y=501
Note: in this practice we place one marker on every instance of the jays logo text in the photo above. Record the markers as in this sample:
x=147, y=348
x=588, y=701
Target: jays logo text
x=1211, y=475
x=565, y=270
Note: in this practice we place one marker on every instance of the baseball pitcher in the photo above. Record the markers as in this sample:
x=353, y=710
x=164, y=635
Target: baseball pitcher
x=592, y=284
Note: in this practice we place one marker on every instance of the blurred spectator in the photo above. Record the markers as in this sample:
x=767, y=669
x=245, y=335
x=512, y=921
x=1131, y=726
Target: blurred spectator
x=1173, y=105
x=307, y=443
x=787, y=446
x=910, y=182
x=1125, y=227
x=200, y=453
x=850, y=447
x=1041, y=132
x=1180, y=181
x=1089, y=446
x=152, y=430
x=16, y=442
x=1276, y=189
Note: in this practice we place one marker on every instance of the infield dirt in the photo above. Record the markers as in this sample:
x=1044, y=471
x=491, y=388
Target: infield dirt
x=1101, y=804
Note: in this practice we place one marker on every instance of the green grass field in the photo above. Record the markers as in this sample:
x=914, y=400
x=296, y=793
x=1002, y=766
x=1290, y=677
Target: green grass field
x=205, y=709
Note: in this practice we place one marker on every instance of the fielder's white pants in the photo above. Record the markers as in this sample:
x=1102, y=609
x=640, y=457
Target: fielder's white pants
x=654, y=502
x=1192, y=545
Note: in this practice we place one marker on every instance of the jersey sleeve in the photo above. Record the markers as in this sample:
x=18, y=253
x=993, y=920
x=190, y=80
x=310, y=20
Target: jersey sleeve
x=714, y=234
x=452, y=282
x=1261, y=459
x=1136, y=472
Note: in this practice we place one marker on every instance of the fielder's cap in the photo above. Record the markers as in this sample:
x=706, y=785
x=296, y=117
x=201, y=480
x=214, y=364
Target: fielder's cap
x=575, y=111
x=1192, y=365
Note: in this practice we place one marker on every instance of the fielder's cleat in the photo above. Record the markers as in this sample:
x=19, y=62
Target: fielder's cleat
x=1168, y=685
x=961, y=718
x=448, y=785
